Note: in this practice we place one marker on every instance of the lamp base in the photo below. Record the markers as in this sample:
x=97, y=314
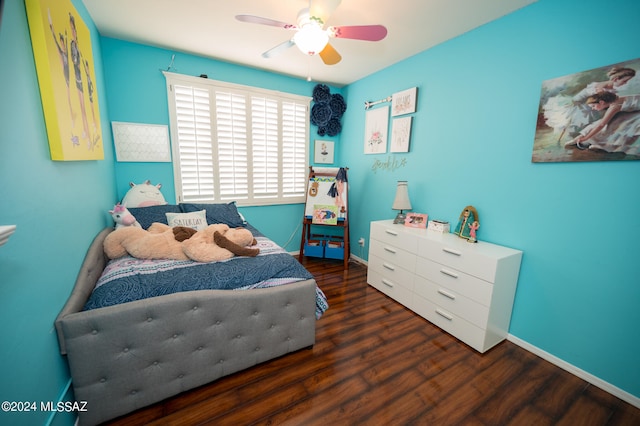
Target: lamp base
x=400, y=218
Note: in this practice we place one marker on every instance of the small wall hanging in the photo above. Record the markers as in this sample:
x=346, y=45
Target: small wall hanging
x=404, y=102
x=327, y=110
x=323, y=152
x=400, y=134
x=375, y=133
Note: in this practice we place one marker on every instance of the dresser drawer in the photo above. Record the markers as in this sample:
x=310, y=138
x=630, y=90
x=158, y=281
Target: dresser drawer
x=466, y=285
x=390, y=287
x=449, y=322
x=392, y=272
x=392, y=254
x=453, y=302
x=395, y=235
x=459, y=254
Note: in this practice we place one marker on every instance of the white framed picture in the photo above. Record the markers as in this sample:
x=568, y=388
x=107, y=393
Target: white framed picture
x=375, y=132
x=139, y=142
x=323, y=152
x=400, y=134
x=404, y=102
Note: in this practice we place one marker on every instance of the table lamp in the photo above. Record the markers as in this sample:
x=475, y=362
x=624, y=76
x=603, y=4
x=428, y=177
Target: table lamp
x=401, y=201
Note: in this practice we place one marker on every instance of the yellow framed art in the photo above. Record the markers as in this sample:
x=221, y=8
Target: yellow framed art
x=64, y=62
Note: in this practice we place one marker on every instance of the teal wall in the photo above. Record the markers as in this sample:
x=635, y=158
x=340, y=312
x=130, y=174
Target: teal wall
x=472, y=138
x=471, y=143
x=137, y=93
x=58, y=208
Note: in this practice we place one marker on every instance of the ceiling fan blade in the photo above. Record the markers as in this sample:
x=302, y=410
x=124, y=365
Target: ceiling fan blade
x=323, y=8
x=265, y=21
x=329, y=55
x=274, y=51
x=359, y=32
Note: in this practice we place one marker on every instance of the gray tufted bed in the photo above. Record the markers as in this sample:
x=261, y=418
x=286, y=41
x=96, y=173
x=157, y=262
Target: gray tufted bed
x=127, y=356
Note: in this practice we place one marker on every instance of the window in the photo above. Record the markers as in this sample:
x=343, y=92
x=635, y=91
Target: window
x=237, y=143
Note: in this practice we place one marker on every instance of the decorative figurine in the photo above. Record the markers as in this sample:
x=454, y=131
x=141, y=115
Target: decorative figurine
x=468, y=216
x=472, y=232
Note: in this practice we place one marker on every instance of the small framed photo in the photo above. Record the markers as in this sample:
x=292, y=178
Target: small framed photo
x=323, y=152
x=404, y=102
x=416, y=220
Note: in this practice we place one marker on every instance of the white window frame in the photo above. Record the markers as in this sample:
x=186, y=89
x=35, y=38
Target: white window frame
x=288, y=138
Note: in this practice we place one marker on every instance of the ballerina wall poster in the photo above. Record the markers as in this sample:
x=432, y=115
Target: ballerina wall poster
x=64, y=63
x=592, y=115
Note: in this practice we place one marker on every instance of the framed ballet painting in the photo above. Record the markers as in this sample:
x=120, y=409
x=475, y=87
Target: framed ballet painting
x=64, y=62
x=592, y=115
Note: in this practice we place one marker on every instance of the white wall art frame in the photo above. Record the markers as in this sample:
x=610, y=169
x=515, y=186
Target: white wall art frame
x=141, y=142
x=323, y=152
x=404, y=102
x=375, y=132
x=400, y=134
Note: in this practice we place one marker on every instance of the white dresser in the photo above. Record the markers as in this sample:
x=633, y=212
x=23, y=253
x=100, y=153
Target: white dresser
x=467, y=289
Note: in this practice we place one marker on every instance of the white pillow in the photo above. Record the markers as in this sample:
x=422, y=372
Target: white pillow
x=196, y=220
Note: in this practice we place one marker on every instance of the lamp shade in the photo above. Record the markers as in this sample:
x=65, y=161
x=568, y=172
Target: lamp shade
x=311, y=39
x=401, y=201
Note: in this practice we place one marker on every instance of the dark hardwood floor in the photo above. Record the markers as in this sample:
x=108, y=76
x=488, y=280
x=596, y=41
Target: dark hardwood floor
x=377, y=363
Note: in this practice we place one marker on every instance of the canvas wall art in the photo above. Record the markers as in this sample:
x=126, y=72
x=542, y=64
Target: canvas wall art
x=375, y=132
x=64, y=62
x=590, y=116
x=400, y=134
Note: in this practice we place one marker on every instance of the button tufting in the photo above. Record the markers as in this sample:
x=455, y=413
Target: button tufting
x=125, y=350
x=102, y=380
x=149, y=319
x=175, y=336
x=199, y=348
x=133, y=392
x=221, y=361
x=195, y=308
x=155, y=362
x=94, y=332
x=180, y=376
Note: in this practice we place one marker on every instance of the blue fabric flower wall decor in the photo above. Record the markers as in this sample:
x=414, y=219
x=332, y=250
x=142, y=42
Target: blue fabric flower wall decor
x=327, y=110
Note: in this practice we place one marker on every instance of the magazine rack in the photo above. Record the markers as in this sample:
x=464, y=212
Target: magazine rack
x=327, y=213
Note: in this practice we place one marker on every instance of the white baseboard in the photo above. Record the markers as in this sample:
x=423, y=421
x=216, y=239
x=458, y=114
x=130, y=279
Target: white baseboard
x=605, y=386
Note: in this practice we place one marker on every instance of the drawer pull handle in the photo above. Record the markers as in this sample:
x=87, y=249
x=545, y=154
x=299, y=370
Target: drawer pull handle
x=451, y=251
x=444, y=314
x=387, y=283
x=447, y=294
x=390, y=232
x=449, y=273
x=390, y=250
x=389, y=267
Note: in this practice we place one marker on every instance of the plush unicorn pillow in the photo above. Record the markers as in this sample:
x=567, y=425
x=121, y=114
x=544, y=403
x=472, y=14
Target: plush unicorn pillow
x=143, y=195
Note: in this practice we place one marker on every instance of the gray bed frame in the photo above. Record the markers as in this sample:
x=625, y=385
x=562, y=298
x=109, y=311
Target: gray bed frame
x=125, y=357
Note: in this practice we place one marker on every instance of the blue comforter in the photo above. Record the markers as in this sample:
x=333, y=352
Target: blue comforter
x=127, y=279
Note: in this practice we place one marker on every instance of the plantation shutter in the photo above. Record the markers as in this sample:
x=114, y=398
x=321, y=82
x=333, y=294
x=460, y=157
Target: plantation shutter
x=237, y=143
x=195, y=147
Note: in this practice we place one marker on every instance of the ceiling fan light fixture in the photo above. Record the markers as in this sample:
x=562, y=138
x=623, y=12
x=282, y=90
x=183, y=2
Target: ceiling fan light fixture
x=311, y=39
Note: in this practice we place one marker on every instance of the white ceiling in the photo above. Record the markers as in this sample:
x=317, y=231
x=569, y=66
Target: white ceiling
x=208, y=28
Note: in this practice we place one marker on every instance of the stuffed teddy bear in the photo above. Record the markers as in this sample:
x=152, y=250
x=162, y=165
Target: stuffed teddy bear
x=160, y=241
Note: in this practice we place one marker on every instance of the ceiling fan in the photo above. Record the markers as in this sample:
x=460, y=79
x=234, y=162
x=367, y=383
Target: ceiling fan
x=310, y=35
